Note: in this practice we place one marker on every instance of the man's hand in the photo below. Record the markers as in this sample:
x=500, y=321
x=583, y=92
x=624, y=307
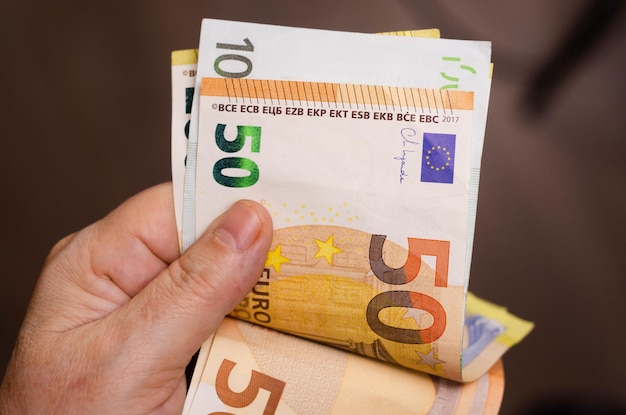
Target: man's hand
x=117, y=314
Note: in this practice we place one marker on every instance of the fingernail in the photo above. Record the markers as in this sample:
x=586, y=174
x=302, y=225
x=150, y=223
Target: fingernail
x=239, y=227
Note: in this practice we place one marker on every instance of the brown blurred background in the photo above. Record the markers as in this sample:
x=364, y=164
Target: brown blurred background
x=85, y=123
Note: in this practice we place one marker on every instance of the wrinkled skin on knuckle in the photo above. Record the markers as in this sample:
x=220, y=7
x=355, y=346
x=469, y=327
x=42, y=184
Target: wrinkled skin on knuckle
x=198, y=274
x=215, y=277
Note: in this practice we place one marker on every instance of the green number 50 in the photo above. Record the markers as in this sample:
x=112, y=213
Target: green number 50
x=237, y=171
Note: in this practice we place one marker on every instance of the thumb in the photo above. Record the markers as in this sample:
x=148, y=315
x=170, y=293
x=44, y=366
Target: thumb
x=171, y=317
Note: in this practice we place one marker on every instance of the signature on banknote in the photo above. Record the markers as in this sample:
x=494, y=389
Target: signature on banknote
x=407, y=147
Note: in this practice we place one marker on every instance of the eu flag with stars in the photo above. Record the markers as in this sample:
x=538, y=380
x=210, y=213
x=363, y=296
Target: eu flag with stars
x=438, y=158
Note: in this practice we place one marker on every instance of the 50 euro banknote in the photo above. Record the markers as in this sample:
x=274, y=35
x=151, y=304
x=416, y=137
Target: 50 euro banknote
x=247, y=369
x=288, y=316
x=369, y=201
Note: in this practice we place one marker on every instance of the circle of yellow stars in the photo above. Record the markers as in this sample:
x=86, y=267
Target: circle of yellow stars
x=438, y=148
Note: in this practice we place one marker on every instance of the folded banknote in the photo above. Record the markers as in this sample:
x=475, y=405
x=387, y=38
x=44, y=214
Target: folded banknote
x=247, y=369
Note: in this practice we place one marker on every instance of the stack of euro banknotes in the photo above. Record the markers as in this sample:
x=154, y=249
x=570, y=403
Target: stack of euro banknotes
x=366, y=151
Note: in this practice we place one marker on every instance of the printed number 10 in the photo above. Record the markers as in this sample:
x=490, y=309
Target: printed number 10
x=247, y=47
